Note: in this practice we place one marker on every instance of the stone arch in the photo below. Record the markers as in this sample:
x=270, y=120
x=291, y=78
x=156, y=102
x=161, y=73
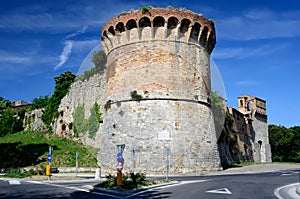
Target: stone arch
x=195, y=33
x=172, y=25
x=184, y=27
x=172, y=22
x=144, y=22
x=158, y=27
x=185, y=23
x=106, y=40
x=131, y=24
x=249, y=106
x=132, y=35
x=158, y=21
x=120, y=30
x=211, y=42
x=111, y=30
x=120, y=27
x=144, y=28
x=203, y=36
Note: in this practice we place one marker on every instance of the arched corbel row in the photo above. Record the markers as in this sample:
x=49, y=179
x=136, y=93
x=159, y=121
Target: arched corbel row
x=159, y=27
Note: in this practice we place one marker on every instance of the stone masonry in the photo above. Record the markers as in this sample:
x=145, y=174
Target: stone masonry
x=158, y=84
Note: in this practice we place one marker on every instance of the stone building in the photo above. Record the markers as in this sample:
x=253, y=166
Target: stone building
x=158, y=84
x=254, y=111
x=245, y=134
x=155, y=99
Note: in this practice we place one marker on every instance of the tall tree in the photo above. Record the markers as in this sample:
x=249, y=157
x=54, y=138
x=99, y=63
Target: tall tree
x=8, y=122
x=99, y=59
x=62, y=85
x=281, y=143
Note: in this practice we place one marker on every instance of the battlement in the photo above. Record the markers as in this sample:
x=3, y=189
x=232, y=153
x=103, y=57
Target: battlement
x=158, y=24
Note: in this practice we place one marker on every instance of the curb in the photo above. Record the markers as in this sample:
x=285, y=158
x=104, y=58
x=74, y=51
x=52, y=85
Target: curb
x=291, y=191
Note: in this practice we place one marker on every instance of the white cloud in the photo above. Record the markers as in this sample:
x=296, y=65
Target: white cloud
x=247, y=52
x=65, y=54
x=82, y=45
x=247, y=83
x=78, y=32
x=14, y=59
x=68, y=18
x=259, y=24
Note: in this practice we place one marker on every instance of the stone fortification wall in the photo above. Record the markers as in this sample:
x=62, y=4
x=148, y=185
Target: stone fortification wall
x=82, y=93
x=33, y=120
x=158, y=82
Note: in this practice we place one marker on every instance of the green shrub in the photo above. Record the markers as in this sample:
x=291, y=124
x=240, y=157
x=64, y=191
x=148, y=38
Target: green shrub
x=130, y=181
x=19, y=173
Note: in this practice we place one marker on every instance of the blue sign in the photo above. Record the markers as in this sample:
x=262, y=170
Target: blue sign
x=49, y=158
x=119, y=157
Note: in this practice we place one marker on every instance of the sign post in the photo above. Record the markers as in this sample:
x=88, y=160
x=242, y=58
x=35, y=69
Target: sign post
x=77, y=163
x=133, y=165
x=120, y=162
x=167, y=163
x=48, y=167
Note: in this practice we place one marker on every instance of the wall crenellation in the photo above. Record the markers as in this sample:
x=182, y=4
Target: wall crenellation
x=158, y=23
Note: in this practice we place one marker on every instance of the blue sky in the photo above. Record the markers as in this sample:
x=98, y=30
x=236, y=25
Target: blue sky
x=257, y=50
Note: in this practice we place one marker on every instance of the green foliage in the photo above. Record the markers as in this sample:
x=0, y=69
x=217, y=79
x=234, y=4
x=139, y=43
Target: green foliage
x=135, y=96
x=146, y=9
x=93, y=122
x=7, y=122
x=4, y=104
x=90, y=125
x=130, y=181
x=99, y=59
x=285, y=143
x=10, y=122
x=218, y=109
x=79, y=121
x=62, y=85
x=96, y=107
x=40, y=102
x=18, y=173
x=29, y=148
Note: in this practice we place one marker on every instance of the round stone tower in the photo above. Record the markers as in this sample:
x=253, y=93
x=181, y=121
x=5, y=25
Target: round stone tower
x=158, y=88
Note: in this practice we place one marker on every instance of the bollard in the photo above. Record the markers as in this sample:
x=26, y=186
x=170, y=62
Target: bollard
x=119, y=179
x=48, y=170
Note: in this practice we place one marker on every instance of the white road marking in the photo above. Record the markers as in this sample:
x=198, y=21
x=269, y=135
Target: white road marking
x=13, y=182
x=192, y=181
x=220, y=191
x=286, y=174
x=165, y=186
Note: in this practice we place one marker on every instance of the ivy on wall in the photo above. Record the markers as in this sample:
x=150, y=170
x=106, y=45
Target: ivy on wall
x=89, y=125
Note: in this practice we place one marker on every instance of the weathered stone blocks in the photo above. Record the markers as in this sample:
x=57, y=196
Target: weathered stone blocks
x=158, y=84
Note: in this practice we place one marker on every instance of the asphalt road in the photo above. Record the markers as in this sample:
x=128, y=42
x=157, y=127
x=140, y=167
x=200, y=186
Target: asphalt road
x=240, y=186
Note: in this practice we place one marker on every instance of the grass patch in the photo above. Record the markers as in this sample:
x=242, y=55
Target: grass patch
x=27, y=148
x=22, y=173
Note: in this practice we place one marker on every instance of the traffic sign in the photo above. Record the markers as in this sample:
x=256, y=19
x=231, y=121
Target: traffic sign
x=49, y=158
x=119, y=157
